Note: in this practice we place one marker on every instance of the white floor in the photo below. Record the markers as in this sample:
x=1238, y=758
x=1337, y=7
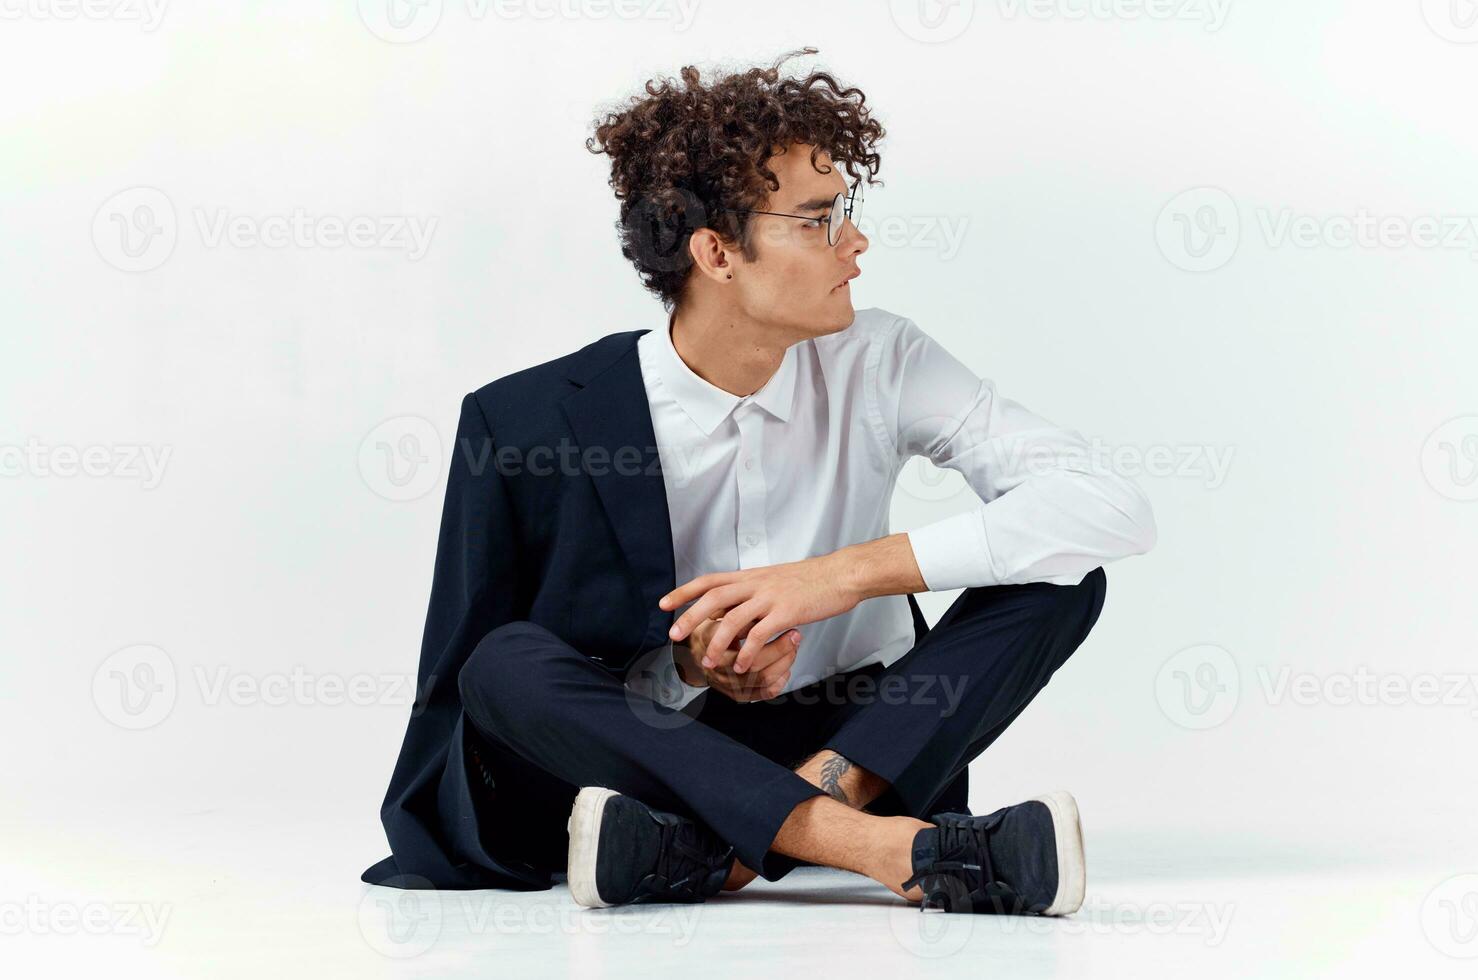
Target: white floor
x=214, y=895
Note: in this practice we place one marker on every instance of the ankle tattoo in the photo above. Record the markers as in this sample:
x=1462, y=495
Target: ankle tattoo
x=832, y=771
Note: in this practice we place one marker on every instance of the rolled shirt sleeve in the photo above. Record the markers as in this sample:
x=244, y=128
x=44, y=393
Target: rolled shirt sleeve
x=1049, y=514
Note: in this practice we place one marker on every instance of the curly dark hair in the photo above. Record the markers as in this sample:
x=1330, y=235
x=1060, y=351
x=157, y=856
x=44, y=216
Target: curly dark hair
x=681, y=154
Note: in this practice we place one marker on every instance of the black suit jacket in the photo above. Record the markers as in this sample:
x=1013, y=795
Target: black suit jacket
x=555, y=513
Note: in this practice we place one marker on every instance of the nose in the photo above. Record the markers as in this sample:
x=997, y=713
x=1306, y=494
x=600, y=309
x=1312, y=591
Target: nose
x=853, y=241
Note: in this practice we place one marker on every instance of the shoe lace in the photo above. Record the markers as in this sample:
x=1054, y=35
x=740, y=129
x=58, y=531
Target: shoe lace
x=688, y=862
x=963, y=875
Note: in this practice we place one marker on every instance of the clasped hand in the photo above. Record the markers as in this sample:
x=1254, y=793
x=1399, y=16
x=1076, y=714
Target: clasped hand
x=740, y=631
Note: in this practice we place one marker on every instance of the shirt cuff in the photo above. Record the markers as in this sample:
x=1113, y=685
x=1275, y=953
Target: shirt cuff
x=953, y=553
x=656, y=675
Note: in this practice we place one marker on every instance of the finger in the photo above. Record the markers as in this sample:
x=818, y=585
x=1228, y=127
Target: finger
x=773, y=623
x=770, y=676
x=710, y=606
x=735, y=622
x=774, y=687
x=693, y=588
x=766, y=684
x=732, y=687
x=783, y=647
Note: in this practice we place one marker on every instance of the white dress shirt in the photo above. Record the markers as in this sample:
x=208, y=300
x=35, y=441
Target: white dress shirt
x=807, y=464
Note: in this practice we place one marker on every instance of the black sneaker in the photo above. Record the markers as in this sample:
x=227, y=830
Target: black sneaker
x=1021, y=860
x=622, y=852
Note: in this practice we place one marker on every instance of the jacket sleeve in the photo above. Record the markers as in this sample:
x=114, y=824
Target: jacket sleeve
x=431, y=809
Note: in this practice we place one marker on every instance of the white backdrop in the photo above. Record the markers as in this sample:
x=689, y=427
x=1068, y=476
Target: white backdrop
x=250, y=249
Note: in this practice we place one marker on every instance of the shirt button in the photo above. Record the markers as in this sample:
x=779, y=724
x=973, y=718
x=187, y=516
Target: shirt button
x=749, y=464
x=751, y=539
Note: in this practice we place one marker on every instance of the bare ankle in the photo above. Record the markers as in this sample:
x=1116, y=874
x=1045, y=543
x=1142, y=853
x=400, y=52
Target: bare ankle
x=739, y=876
x=894, y=853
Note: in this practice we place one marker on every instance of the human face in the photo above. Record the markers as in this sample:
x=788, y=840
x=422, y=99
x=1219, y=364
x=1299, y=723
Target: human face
x=797, y=281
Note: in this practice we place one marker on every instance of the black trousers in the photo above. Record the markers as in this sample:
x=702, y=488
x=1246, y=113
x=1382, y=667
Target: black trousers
x=555, y=721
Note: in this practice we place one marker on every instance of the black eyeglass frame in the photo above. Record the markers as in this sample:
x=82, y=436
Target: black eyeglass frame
x=846, y=203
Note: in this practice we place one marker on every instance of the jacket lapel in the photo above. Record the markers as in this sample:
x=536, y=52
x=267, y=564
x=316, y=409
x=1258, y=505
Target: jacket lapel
x=611, y=411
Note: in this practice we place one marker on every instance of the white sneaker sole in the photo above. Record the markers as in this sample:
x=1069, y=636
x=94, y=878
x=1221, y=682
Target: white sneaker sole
x=1072, y=875
x=584, y=828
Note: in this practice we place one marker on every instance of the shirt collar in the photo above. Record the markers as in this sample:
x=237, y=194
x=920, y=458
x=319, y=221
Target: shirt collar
x=708, y=405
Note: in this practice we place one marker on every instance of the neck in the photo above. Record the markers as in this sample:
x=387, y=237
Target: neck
x=727, y=350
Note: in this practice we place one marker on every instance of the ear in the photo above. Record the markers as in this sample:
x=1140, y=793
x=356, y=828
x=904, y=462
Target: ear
x=711, y=257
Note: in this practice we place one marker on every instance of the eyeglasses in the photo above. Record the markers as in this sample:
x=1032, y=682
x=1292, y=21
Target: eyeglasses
x=844, y=207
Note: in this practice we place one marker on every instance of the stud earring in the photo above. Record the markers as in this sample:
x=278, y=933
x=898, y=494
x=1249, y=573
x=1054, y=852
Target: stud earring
x=731, y=275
